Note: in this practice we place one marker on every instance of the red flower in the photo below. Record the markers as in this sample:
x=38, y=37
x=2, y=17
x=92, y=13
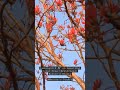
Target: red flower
x=75, y=61
x=72, y=88
x=97, y=84
x=53, y=20
x=114, y=8
x=70, y=39
x=77, y=20
x=91, y=12
x=68, y=26
x=83, y=20
x=45, y=6
x=61, y=27
x=40, y=24
x=37, y=10
x=52, y=8
x=59, y=2
x=73, y=5
x=62, y=42
x=49, y=27
x=72, y=35
x=82, y=29
x=72, y=31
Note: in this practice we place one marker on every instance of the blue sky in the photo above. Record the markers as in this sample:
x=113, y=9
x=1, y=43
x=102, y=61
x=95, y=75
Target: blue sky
x=69, y=57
